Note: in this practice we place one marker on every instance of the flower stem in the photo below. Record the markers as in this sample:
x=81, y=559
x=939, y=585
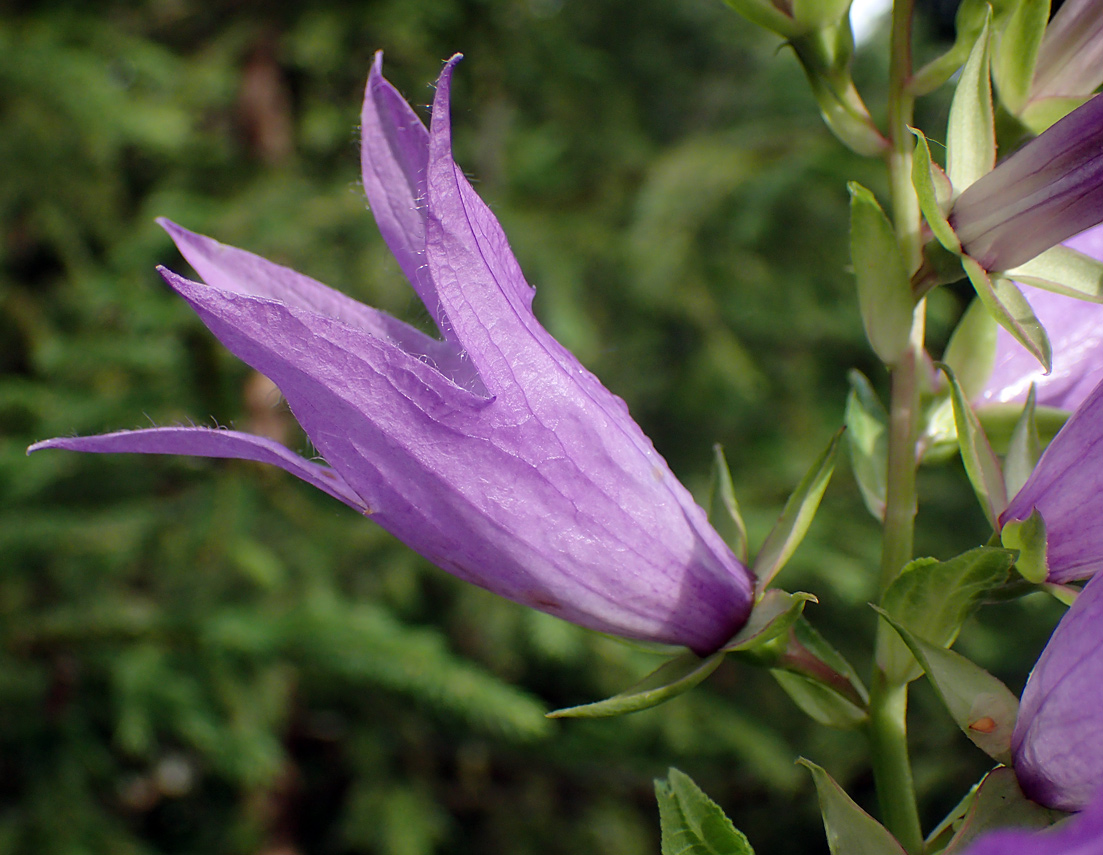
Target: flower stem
x=888, y=736
x=888, y=705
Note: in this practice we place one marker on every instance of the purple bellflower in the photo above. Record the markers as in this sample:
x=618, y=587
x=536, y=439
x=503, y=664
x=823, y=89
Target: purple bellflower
x=490, y=451
x=1078, y=835
x=1042, y=194
x=1070, y=59
x=1056, y=750
x=1075, y=329
x=1066, y=488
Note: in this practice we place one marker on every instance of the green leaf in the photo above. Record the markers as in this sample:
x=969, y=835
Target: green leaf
x=1063, y=271
x=933, y=599
x=971, y=17
x=1029, y=538
x=980, y=461
x=867, y=439
x=692, y=823
x=796, y=516
x=850, y=830
x=1017, y=53
x=980, y=704
x=724, y=511
x=767, y=15
x=1011, y=310
x=1039, y=115
x=884, y=292
x=971, y=351
x=1025, y=448
x=819, y=679
x=999, y=420
x=819, y=702
x=666, y=682
x=971, y=133
x=998, y=802
x=772, y=615
x=933, y=189
x=825, y=53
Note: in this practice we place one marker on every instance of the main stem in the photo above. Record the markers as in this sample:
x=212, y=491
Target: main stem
x=888, y=703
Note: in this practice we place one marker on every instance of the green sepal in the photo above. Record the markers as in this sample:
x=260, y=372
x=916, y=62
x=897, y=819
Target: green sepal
x=867, y=439
x=971, y=351
x=1024, y=449
x=771, y=616
x=820, y=703
x=850, y=830
x=820, y=13
x=981, y=464
x=666, y=682
x=796, y=516
x=819, y=679
x=997, y=802
x=1016, y=55
x=971, y=132
x=1029, y=538
x=766, y=14
x=980, y=704
x=692, y=823
x=724, y=513
x=884, y=292
x=933, y=599
x=1040, y=114
x=932, y=189
x=999, y=421
x=824, y=54
x=1009, y=307
x=970, y=21
x=1064, y=271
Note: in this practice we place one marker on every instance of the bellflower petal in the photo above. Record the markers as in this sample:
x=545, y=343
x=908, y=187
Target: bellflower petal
x=1078, y=835
x=1066, y=487
x=1075, y=329
x=1042, y=194
x=1056, y=750
x=1070, y=59
x=492, y=452
x=211, y=442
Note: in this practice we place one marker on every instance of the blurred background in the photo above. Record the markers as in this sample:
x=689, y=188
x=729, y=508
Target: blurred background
x=208, y=656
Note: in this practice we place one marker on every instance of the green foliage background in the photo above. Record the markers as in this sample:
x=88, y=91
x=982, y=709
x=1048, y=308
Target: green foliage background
x=202, y=656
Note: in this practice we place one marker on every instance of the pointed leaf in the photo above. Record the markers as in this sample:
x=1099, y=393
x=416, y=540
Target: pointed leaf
x=927, y=177
x=999, y=421
x=884, y=292
x=971, y=133
x=819, y=702
x=1064, y=271
x=772, y=615
x=933, y=599
x=971, y=352
x=1029, y=538
x=980, y=704
x=867, y=439
x=724, y=511
x=666, y=682
x=819, y=679
x=1009, y=307
x=1025, y=447
x=980, y=461
x=1017, y=55
x=796, y=516
x=692, y=823
x=850, y=830
x=998, y=802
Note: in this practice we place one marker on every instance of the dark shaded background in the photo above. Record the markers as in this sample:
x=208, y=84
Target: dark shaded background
x=208, y=657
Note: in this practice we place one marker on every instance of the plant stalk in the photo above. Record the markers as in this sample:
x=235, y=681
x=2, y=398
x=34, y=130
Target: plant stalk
x=888, y=706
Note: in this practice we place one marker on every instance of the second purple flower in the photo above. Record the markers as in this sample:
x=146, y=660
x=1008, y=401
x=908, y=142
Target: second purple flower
x=491, y=451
